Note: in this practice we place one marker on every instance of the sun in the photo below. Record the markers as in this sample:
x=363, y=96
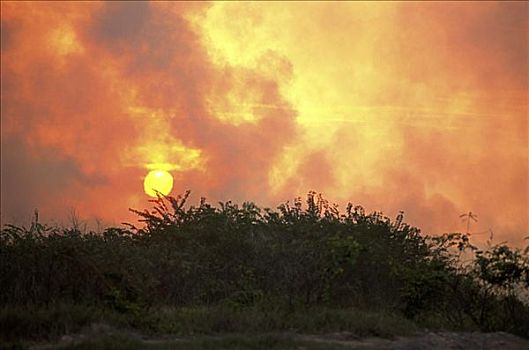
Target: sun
x=158, y=181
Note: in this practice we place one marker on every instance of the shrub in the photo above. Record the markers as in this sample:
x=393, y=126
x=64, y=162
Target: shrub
x=295, y=257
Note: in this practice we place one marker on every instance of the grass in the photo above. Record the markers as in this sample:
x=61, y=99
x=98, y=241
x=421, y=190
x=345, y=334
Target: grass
x=231, y=341
x=108, y=328
x=202, y=320
x=51, y=322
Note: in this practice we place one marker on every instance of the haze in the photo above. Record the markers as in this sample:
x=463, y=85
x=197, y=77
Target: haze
x=420, y=107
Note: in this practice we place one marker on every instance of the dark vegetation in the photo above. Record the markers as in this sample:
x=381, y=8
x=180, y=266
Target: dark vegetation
x=302, y=268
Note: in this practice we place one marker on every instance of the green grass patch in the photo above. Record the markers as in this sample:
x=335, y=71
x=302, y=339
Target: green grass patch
x=202, y=320
x=51, y=322
x=246, y=342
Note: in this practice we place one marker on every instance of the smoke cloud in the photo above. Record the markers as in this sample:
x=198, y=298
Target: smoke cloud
x=420, y=107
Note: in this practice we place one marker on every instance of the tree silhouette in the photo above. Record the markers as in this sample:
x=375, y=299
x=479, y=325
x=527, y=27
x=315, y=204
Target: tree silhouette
x=468, y=217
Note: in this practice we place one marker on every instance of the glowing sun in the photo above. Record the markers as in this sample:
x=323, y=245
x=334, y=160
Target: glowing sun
x=158, y=180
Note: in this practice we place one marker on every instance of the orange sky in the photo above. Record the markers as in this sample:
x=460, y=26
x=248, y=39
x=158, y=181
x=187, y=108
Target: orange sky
x=421, y=107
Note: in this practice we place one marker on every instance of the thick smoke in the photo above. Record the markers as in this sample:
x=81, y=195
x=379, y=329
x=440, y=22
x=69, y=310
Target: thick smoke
x=420, y=107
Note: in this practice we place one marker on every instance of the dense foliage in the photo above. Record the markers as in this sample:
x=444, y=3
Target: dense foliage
x=297, y=256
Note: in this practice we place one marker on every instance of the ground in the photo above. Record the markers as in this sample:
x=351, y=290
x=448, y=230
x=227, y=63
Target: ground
x=102, y=336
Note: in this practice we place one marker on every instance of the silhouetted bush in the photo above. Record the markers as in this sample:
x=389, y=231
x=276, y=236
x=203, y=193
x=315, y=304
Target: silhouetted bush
x=243, y=256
